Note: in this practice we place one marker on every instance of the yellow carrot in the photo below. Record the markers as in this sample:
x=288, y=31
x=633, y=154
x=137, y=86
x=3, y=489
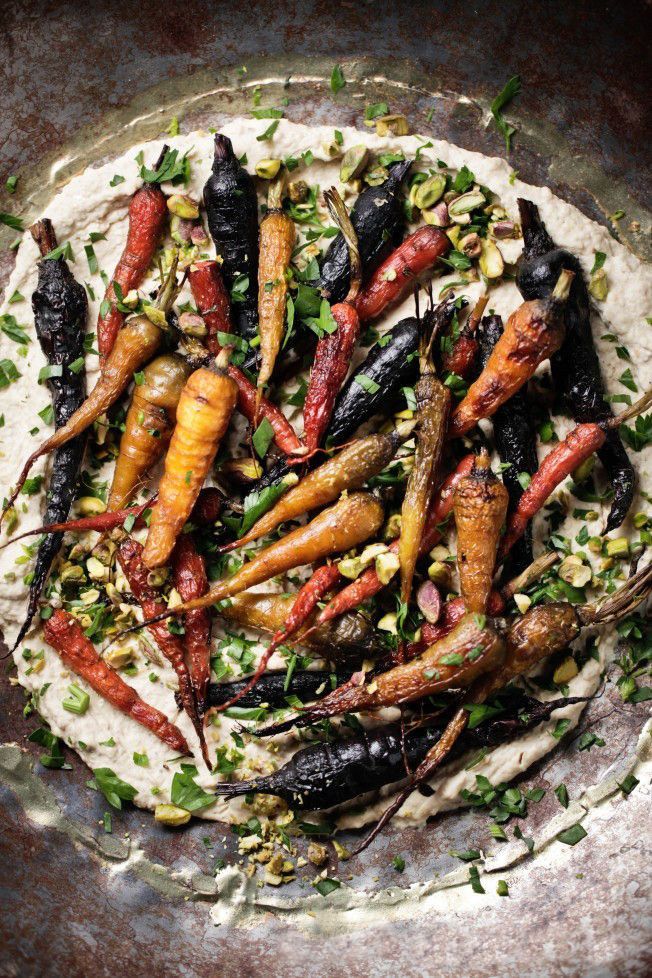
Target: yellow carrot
x=277, y=234
x=203, y=415
x=148, y=425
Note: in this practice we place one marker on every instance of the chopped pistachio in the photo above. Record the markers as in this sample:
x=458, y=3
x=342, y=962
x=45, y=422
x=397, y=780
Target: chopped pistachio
x=387, y=564
x=470, y=245
x=640, y=520
x=599, y=285
x=73, y=572
x=618, y=547
x=440, y=573
x=491, y=260
x=565, y=671
x=317, y=853
x=583, y=471
x=394, y=125
x=268, y=168
x=437, y=216
x=192, y=324
x=392, y=527
x=171, y=815
x=453, y=235
x=298, y=191
x=118, y=656
x=574, y=572
x=388, y=623
x=465, y=203
x=595, y=545
x=96, y=570
x=376, y=176
x=425, y=195
x=522, y=602
x=181, y=205
x=90, y=506
x=353, y=163
x=180, y=230
x=155, y=315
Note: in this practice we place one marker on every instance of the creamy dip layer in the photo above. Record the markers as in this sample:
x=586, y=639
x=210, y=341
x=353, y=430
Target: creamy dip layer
x=103, y=737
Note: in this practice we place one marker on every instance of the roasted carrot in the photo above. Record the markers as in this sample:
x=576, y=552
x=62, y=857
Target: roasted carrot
x=369, y=584
x=420, y=251
x=203, y=415
x=533, y=333
x=433, y=407
x=350, y=521
x=277, y=235
x=541, y=632
x=130, y=556
x=460, y=354
x=349, y=469
x=147, y=214
x=471, y=649
x=334, y=351
x=64, y=633
x=148, y=425
x=135, y=344
x=213, y=303
x=313, y=590
x=480, y=508
x=190, y=580
x=579, y=444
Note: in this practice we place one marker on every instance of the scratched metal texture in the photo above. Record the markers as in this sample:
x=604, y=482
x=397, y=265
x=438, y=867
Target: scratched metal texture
x=75, y=76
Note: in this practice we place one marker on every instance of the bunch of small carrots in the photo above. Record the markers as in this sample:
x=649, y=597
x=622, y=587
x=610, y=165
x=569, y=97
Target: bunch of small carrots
x=190, y=385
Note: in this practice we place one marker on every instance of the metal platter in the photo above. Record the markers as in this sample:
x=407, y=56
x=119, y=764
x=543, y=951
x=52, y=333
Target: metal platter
x=145, y=900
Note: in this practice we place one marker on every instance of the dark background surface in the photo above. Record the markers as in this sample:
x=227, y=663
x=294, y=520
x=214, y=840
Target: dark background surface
x=64, y=66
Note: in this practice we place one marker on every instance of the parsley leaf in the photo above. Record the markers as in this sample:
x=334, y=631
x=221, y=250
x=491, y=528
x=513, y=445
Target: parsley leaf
x=511, y=89
x=114, y=789
x=338, y=80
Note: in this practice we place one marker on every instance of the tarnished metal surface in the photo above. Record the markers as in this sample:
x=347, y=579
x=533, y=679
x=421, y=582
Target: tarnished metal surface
x=77, y=901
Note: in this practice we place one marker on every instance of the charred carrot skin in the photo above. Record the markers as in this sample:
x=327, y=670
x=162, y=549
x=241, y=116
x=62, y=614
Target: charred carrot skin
x=203, y=415
x=65, y=635
x=232, y=212
x=533, y=333
x=213, y=303
x=190, y=580
x=130, y=556
x=321, y=582
x=480, y=508
x=147, y=216
x=395, y=276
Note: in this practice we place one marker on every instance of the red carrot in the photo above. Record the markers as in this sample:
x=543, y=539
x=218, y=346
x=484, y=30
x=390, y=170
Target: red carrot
x=321, y=582
x=579, y=444
x=190, y=580
x=462, y=357
x=130, y=557
x=147, y=214
x=391, y=280
x=213, y=303
x=64, y=633
x=334, y=350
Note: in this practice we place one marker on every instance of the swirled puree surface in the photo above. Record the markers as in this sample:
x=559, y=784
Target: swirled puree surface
x=96, y=202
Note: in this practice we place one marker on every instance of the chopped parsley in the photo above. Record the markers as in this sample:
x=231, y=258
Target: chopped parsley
x=510, y=91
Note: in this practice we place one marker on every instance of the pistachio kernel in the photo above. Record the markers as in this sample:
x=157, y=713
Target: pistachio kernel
x=599, y=285
x=181, y=205
x=395, y=125
x=491, y=261
x=470, y=245
x=298, y=191
x=267, y=169
x=425, y=195
x=171, y=815
x=353, y=163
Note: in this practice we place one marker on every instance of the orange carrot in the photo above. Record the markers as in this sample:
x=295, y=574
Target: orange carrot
x=203, y=415
x=480, y=508
x=350, y=521
x=533, y=333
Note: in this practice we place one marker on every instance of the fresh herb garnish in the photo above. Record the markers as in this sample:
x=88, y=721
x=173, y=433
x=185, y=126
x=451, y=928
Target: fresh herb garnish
x=510, y=91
